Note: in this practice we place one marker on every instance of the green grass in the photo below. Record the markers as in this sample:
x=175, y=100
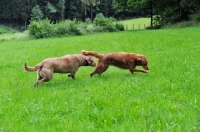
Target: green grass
x=7, y=33
x=133, y=24
x=165, y=99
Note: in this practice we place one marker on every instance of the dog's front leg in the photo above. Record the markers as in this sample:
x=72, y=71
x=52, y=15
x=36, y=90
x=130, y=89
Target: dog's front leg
x=137, y=70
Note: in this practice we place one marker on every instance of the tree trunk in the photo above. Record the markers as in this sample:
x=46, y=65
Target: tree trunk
x=91, y=12
x=85, y=12
x=151, y=12
x=25, y=23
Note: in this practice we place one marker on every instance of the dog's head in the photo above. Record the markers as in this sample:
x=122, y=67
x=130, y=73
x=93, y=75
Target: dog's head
x=89, y=61
x=142, y=61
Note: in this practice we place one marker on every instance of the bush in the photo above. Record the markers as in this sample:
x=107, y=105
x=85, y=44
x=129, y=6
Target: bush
x=44, y=29
x=90, y=28
x=100, y=20
x=107, y=24
x=88, y=21
x=195, y=16
x=119, y=26
x=77, y=28
x=40, y=29
x=61, y=28
x=110, y=27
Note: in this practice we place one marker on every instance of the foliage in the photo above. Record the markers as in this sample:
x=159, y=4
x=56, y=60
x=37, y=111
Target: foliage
x=108, y=24
x=89, y=5
x=88, y=20
x=37, y=13
x=195, y=16
x=2, y=30
x=20, y=12
x=100, y=20
x=119, y=26
x=166, y=99
x=169, y=11
x=40, y=29
x=55, y=11
x=44, y=28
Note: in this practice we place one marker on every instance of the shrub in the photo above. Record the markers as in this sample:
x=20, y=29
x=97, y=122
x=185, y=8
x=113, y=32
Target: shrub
x=100, y=20
x=44, y=28
x=77, y=28
x=107, y=24
x=40, y=29
x=88, y=20
x=110, y=27
x=195, y=16
x=61, y=28
x=119, y=26
x=100, y=15
x=90, y=28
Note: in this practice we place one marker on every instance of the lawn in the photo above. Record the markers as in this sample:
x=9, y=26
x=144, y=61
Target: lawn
x=135, y=24
x=165, y=99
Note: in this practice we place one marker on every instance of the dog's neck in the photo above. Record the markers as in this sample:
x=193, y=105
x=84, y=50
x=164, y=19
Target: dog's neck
x=86, y=63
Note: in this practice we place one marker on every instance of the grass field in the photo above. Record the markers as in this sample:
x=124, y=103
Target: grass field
x=134, y=24
x=9, y=33
x=165, y=99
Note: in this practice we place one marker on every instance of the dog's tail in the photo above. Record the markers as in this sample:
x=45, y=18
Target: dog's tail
x=27, y=68
x=92, y=53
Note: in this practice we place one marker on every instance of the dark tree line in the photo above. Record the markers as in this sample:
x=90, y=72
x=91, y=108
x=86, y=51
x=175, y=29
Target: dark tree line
x=163, y=11
x=20, y=12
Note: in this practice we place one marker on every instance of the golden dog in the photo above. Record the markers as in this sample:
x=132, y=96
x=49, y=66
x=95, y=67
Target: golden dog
x=122, y=60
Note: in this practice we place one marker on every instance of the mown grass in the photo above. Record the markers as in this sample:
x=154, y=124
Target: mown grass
x=165, y=99
x=134, y=24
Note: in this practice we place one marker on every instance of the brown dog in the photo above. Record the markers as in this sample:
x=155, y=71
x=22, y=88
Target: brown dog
x=122, y=60
x=65, y=64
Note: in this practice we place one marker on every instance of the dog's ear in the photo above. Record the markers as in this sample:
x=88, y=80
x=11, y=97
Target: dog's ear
x=89, y=60
x=138, y=61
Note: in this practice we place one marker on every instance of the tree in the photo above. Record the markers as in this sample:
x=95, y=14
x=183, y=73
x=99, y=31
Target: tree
x=107, y=7
x=61, y=9
x=37, y=13
x=74, y=10
x=25, y=8
x=89, y=5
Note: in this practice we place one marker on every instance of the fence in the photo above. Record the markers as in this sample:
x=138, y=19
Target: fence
x=136, y=26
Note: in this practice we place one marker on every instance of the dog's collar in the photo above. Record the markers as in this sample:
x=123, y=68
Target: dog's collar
x=86, y=63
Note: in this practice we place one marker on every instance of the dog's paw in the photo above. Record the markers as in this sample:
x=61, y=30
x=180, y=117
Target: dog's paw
x=146, y=71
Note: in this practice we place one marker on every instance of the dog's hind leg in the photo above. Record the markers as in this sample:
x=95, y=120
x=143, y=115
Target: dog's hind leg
x=45, y=79
x=43, y=76
x=72, y=75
